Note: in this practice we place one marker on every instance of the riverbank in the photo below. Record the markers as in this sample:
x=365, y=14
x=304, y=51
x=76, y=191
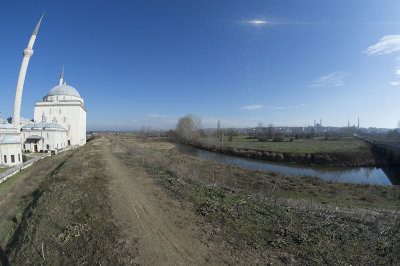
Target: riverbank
x=263, y=217
x=122, y=199
x=349, y=152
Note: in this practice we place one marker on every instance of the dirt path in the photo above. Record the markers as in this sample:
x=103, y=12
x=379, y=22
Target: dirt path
x=163, y=231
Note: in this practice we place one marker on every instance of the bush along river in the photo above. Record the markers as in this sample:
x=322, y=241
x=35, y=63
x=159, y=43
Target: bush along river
x=362, y=175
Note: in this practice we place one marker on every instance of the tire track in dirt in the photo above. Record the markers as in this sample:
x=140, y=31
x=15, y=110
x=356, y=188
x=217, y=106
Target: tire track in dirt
x=148, y=217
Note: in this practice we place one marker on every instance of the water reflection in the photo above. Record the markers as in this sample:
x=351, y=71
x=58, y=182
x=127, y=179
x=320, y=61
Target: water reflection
x=360, y=175
x=393, y=173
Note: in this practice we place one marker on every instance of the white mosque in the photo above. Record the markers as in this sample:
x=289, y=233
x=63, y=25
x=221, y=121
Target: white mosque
x=59, y=120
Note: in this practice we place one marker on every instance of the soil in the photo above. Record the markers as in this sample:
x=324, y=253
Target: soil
x=121, y=199
x=166, y=233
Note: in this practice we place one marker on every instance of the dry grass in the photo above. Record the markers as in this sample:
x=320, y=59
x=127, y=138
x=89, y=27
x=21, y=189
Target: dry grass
x=268, y=217
x=70, y=215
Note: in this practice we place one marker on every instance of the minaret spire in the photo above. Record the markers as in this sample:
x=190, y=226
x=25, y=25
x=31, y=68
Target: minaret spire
x=28, y=52
x=61, y=77
x=35, y=31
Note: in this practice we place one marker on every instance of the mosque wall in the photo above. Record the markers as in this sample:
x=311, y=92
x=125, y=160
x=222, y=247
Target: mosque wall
x=72, y=117
x=52, y=140
x=10, y=154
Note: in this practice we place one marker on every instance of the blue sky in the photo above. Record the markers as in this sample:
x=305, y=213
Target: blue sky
x=242, y=62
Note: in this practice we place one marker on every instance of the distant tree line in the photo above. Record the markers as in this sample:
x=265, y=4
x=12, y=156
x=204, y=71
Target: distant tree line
x=189, y=130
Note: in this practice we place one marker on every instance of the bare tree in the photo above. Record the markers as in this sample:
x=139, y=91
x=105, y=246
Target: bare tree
x=270, y=130
x=231, y=132
x=219, y=131
x=188, y=128
x=145, y=131
x=260, y=134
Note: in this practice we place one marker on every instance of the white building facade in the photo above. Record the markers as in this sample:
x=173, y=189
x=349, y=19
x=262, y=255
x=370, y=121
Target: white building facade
x=10, y=146
x=64, y=106
x=43, y=137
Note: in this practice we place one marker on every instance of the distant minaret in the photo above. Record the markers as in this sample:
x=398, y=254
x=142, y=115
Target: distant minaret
x=358, y=123
x=348, y=123
x=61, y=77
x=320, y=122
x=28, y=52
x=315, y=122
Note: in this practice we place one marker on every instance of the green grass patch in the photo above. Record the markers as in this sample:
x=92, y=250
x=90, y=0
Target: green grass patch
x=6, y=185
x=315, y=145
x=2, y=170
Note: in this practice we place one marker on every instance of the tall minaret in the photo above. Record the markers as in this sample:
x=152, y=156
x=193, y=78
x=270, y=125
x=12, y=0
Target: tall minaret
x=28, y=52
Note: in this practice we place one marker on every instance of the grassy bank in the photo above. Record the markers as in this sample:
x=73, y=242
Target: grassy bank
x=18, y=192
x=69, y=216
x=250, y=216
x=2, y=170
x=319, y=151
x=314, y=145
x=268, y=217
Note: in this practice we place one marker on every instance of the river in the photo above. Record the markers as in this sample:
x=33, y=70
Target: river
x=359, y=175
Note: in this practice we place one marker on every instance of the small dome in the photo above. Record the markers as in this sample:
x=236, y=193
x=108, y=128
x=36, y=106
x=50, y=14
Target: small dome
x=63, y=90
x=9, y=140
x=5, y=125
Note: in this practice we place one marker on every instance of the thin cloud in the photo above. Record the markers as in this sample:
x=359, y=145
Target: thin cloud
x=386, y=45
x=332, y=80
x=251, y=107
x=258, y=22
x=272, y=107
x=398, y=71
x=284, y=107
x=280, y=107
x=395, y=83
x=157, y=116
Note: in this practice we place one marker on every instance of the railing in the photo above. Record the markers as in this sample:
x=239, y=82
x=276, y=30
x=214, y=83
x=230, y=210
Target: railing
x=10, y=172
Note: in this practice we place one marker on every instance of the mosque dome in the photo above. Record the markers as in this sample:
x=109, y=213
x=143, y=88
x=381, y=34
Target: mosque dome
x=63, y=90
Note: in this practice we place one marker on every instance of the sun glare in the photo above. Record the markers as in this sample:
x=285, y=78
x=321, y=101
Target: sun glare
x=258, y=22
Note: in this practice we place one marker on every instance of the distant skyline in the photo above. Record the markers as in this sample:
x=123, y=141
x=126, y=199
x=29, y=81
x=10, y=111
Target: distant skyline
x=147, y=63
